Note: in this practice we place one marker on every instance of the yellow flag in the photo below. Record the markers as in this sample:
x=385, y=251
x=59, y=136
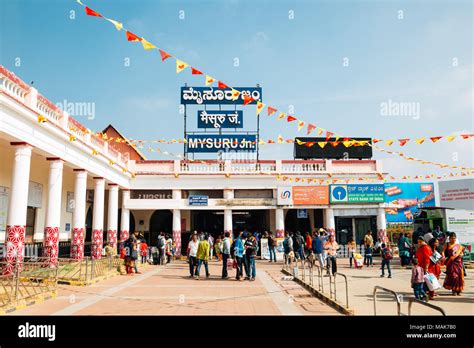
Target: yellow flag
x=147, y=45
x=348, y=143
x=322, y=144
x=261, y=142
x=420, y=141
x=118, y=25
x=280, y=139
x=300, y=125
x=389, y=142
x=450, y=138
x=235, y=94
x=281, y=116
x=180, y=66
x=320, y=131
x=209, y=80
x=41, y=119
x=260, y=107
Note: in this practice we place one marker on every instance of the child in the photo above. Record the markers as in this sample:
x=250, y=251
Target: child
x=368, y=256
x=386, y=259
x=417, y=280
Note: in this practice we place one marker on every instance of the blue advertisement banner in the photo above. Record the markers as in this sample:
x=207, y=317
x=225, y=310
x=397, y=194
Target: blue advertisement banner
x=221, y=142
x=198, y=200
x=215, y=96
x=408, y=198
x=220, y=119
x=370, y=193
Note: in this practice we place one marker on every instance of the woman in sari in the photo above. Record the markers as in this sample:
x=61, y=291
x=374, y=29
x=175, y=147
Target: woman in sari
x=453, y=252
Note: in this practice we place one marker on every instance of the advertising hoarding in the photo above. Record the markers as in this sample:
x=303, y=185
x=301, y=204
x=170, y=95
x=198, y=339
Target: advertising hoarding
x=408, y=198
x=457, y=194
x=369, y=193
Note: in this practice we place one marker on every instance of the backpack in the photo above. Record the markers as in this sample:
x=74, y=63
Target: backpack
x=387, y=255
x=160, y=243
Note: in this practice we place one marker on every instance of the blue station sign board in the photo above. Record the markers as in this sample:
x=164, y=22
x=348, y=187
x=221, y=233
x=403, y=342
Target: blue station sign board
x=197, y=200
x=217, y=119
x=221, y=142
x=216, y=96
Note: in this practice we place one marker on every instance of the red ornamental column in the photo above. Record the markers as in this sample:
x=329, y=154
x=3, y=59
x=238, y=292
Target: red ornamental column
x=125, y=219
x=17, y=206
x=112, y=215
x=177, y=230
x=98, y=218
x=53, y=211
x=79, y=215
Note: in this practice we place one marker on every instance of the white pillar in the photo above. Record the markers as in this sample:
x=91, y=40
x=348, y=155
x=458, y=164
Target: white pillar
x=329, y=220
x=79, y=215
x=381, y=225
x=112, y=215
x=125, y=219
x=279, y=223
x=98, y=218
x=228, y=194
x=53, y=211
x=177, y=223
x=17, y=206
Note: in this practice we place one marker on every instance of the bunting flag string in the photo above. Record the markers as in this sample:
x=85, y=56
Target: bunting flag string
x=310, y=128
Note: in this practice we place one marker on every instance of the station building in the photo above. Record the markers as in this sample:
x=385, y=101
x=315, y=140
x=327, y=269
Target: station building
x=61, y=185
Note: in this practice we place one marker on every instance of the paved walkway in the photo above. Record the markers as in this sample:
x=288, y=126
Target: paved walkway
x=168, y=290
x=362, y=283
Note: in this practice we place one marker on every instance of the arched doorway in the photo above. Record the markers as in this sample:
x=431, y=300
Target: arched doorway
x=293, y=223
x=160, y=221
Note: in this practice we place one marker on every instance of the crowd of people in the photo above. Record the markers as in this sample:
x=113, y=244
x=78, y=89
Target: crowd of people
x=426, y=253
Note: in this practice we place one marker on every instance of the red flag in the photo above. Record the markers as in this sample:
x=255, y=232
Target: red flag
x=290, y=118
x=328, y=135
x=403, y=141
x=311, y=127
x=91, y=12
x=248, y=100
x=435, y=139
x=164, y=55
x=194, y=71
x=310, y=144
x=270, y=141
x=270, y=110
x=466, y=136
x=132, y=37
x=221, y=85
x=334, y=143
x=375, y=141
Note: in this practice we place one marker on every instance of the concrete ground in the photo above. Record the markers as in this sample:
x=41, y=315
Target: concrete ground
x=362, y=282
x=168, y=290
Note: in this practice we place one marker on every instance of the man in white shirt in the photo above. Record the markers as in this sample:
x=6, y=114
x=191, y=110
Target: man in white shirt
x=225, y=254
x=192, y=252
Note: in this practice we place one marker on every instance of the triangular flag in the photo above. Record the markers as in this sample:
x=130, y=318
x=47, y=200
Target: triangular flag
x=132, y=37
x=300, y=125
x=41, y=119
x=403, y=141
x=290, y=118
x=180, y=66
x=260, y=107
x=270, y=110
x=209, y=80
x=450, y=138
x=375, y=141
x=467, y=136
x=435, y=139
x=235, y=94
x=420, y=141
x=320, y=131
x=221, y=85
x=281, y=116
x=270, y=141
x=389, y=142
x=261, y=142
x=310, y=144
x=348, y=143
x=91, y=12
x=164, y=55
x=311, y=127
x=147, y=45
x=280, y=139
x=118, y=25
x=322, y=144
x=248, y=99
x=328, y=135
x=195, y=71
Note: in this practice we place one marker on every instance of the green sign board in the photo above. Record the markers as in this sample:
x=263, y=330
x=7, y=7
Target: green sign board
x=372, y=193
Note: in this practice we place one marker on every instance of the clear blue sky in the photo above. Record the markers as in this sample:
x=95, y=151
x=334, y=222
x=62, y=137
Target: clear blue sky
x=298, y=62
